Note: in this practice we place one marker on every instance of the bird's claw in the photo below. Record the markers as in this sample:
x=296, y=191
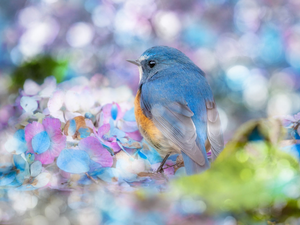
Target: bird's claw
x=160, y=170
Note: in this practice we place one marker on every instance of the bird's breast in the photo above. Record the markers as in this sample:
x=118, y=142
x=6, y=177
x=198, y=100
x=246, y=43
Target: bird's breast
x=145, y=124
x=149, y=131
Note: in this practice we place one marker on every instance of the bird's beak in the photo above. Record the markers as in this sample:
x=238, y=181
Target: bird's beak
x=135, y=62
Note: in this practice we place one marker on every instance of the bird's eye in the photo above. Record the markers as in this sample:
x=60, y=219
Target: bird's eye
x=151, y=63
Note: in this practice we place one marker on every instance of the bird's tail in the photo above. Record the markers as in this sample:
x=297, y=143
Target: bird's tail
x=191, y=167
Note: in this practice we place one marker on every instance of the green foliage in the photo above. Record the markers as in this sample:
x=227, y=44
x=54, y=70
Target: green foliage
x=38, y=69
x=251, y=179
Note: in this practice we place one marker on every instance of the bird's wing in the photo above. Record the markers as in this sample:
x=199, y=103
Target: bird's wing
x=214, y=130
x=174, y=120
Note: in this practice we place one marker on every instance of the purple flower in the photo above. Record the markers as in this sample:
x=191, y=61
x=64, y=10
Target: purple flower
x=45, y=140
x=96, y=151
x=290, y=120
x=102, y=136
x=111, y=111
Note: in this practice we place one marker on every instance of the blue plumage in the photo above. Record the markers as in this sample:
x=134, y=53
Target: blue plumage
x=175, y=96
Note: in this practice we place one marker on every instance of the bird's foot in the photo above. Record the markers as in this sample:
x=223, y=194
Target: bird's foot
x=160, y=169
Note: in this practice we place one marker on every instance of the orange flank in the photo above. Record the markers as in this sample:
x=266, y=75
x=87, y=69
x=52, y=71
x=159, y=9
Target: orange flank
x=146, y=125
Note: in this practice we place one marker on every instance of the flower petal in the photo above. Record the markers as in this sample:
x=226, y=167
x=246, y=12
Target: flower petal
x=28, y=104
x=114, y=111
x=52, y=126
x=31, y=130
x=90, y=116
x=58, y=143
x=109, y=175
x=86, y=99
x=297, y=117
x=20, y=136
x=96, y=151
x=72, y=128
x=94, y=166
x=58, y=115
x=30, y=87
x=74, y=125
x=35, y=168
x=125, y=170
x=113, y=145
x=127, y=126
x=104, y=129
x=6, y=179
x=17, y=143
x=56, y=101
x=115, y=132
x=45, y=158
x=5, y=167
x=41, y=142
x=73, y=161
x=20, y=162
x=136, y=135
x=71, y=115
x=128, y=166
x=41, y=180
x=152, y=155
x=48, y=87
x=89, y=124
x=71, y=101
x=129, y=115
x=84, y=132
x=131, y=144
x=106, y=113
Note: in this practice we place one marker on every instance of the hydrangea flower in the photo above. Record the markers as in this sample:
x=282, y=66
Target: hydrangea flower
x=89, y=146
x=291, y=120
x=73, y=161
x=128, y=124
x=45, y=140
x=96, y=151
x=107, y=140
x=17, y=144
x=110, y=111
x=31, y=88
x=77, y=128
x=14, y=176
x=293, y=124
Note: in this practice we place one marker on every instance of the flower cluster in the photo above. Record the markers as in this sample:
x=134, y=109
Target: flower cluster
x=65, y=129
x=293, y=124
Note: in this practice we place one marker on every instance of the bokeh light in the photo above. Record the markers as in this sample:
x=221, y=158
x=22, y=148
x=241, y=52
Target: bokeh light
x=230, y=41
x=248, y=49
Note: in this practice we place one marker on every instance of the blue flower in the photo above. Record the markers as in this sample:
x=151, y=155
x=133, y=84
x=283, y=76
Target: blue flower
x=17, y=143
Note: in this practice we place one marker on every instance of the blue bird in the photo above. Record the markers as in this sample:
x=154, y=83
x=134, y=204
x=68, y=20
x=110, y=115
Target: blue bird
x=175, y=108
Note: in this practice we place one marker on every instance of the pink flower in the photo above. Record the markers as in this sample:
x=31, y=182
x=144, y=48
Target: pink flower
x=111, y=141
x=45, y=140
x=109, y=111
x=96, y=151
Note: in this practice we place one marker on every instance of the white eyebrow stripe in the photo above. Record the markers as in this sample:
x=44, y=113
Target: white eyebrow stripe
x=140, y=72
x=143, y=58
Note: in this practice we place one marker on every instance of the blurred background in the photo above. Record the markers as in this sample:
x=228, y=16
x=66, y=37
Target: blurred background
x=249, y=49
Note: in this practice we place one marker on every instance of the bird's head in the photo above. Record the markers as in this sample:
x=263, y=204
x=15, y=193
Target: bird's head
x=159, y=58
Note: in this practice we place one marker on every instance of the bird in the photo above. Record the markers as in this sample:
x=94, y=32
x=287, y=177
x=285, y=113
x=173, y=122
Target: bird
x=175, y=109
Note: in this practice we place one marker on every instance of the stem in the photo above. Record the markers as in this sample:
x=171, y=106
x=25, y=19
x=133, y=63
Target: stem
x=91, y=178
